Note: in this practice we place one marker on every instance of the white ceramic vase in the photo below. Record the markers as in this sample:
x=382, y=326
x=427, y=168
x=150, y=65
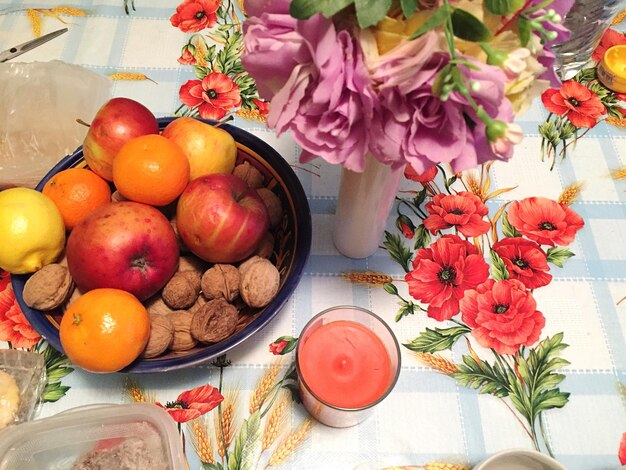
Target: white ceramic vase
x=363, y=206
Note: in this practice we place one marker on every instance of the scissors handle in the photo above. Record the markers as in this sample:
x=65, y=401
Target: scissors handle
x=29, y=45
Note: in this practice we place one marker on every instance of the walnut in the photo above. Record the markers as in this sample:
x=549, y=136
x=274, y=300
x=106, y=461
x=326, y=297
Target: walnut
x=157, y=306
x=179, y=293
x=181, y=319
x=221, y=281
x=199, y=303
x=273, y=204
x=161, y=336
x=259, y=281
x=48, y=288
x=250, y=175
x=215, y=321
x=266, y=246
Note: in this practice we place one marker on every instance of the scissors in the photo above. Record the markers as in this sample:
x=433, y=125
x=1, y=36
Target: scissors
x=29, y=45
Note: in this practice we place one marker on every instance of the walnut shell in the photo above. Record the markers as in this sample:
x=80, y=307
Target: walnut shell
x=183, y=341
x=179, y=293
x=273, y=204
x=266, y=246
x=215, y=321
x=48, y=288
x=161, y=336
x=157, y=306
x=250, y=175
x=221, y=281
x=259, y=282
x=201, y=300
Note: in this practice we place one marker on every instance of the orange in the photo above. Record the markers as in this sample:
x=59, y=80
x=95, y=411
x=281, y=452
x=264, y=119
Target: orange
x=77, y=192
x=104, y=330
x=151, y=169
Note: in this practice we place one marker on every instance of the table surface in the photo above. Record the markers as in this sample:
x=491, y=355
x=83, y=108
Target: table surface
x=429, y=416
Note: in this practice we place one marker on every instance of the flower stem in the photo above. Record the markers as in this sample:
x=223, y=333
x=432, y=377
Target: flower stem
x=546, y=441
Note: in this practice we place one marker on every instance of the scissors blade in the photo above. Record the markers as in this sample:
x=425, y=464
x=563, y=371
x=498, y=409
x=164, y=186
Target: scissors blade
x=29, y=45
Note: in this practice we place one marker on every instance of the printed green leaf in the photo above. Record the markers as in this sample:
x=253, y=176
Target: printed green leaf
x=290, y=346
x=244, y=453
x=398, y=251
x=406, y=308
x=53, y=392
x=558, y=255
x=550, y=399
x=303, y=9
x=420, y=198
x=525, y=30
x=498, y=268
x=422, y=237
x=212, y=466
x=507, y=229
x=467, y=26
x=408, y=7
x=503, y=7
x=390, y=288
x=438, y=339
x=481, y=376
x=437, y=19
x=370, y=12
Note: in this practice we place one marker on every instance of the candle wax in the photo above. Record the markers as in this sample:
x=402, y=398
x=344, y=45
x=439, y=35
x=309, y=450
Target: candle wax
x=345, y=364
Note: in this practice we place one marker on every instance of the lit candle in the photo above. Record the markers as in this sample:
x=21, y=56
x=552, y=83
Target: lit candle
x=612, y=70
x=347, y=361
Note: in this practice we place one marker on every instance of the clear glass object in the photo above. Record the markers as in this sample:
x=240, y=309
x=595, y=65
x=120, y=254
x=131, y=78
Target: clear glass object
x=587, y=20
x=327, y=413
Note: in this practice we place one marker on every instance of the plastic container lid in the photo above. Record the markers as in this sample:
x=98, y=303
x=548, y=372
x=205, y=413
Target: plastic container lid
x=132, y=436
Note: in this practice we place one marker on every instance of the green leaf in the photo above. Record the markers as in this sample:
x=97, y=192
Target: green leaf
x=370, y=12
x=525, y=30
x=406, y=309
x=439, y=339
x=503, y=7
x=420, y=198
x=498, y=268
x=212, y=466
x=507, y=229
x=408, y=7
x=243, y=455
x=558, y=255
x=56, y=374
x=290, y=346
x=467, y=26
x=303, y=9
x=481, y=376
x=390, y=288
x=437, y=19
x=550, y=399
x=53, y=392
x=330, y=7
x=398, y=251
x=422, y=237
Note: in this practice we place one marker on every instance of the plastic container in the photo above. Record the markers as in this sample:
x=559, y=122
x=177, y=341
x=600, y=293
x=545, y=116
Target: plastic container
x=144, y=433
x=612, y=69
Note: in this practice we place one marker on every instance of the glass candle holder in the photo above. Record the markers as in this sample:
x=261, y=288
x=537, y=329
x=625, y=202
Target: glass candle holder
x=348, y=361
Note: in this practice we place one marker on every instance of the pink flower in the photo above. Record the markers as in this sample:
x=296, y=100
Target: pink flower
x=193, y=403
x=214, y=95
x=443, y=272
x=578, y=103
x=195, y=15
x=545, y=221
x=503, y=145
x=425, y=177
x=464, y=211
x=503, y=315
x=515, y=63
x=277, y=347
x=14, y=327
x=525, y=261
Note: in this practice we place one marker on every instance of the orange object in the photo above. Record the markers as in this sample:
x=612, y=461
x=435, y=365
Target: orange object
x=77, y=192
x=345, y=364
x=612, y=70
x=104, y=330
x=151, y=169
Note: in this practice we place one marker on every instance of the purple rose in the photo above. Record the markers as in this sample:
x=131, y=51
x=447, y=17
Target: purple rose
x=411, y=124
x=327, y=102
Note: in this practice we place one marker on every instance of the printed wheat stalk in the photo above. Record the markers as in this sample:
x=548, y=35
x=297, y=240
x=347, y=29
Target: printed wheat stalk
x=251, y=114
x=473, y=184
x=263, y=387
x=35, y=21
x=569, y=194
x=616, y=121
x=129, y=76
x=225, y=429
x=135, y=393
x=619, y=18
x=200, y=52
x=619, y=174
x=368, y=277
x=69, y=11
x=437, y=362
x=201, y=442
x=274, y=422
x=290, y=443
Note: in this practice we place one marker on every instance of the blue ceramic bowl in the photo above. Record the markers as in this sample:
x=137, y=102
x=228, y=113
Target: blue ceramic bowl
x=293, y=244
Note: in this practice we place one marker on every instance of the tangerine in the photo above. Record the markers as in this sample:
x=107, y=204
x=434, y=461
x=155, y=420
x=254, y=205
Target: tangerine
x=104, y=330
x=151, y=169
x=77, y=192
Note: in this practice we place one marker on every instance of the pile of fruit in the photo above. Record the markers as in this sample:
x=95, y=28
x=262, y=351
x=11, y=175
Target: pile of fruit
x=158, y=245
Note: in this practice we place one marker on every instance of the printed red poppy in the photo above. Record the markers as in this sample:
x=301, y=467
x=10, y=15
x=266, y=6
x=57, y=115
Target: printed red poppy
x=193, y=403
x=609, y=39
x=187, y=57
x=214, y=95
x=503, y=315
x=545, y=221
x=426, y=177
x=525, y=261
x=464, y=211
x=443, y=272
x=262, y=106
x=622, y=450
x=277, y=347
x=14, y=328
x=582, y=107
x=195, y=15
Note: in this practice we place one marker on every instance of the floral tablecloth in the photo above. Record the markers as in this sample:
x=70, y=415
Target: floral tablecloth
x=555, y=380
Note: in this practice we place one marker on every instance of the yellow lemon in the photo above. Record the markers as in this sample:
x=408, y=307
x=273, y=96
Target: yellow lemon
x=31, y=230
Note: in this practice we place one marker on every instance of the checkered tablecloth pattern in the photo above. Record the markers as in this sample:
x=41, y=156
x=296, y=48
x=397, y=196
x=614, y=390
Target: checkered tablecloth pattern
x=428, y=417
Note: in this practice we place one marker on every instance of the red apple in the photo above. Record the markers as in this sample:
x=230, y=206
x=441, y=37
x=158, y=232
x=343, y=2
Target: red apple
x=220, y=219
x=123, y=245
x=115, y=123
